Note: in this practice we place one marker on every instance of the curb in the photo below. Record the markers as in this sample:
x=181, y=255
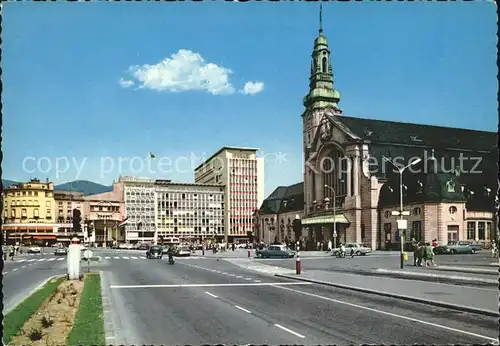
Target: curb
x=109, y=330
x=398, y=296
x=466, y=270
x=418, y=276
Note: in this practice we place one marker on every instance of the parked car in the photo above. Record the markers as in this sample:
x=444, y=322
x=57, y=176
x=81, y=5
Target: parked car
x=154, y=251
x=34, y=249
x=442, y=250
x=460, y=247
x=61, y=251
x=359, y=250
x=475, y=246
x=276, y=251
x=182, y=251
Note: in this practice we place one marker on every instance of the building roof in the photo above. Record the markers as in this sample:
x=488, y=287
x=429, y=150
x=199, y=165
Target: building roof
x=170, y=183
x=437, y=137
x=221, y=150
x=284, y=199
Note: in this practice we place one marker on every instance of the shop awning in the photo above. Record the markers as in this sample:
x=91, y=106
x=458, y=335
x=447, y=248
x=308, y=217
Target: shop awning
x=328, y=219
x=44, y=237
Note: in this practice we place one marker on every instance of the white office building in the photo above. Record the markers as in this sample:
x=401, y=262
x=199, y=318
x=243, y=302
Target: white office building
x=190, y=212
x=241, y=172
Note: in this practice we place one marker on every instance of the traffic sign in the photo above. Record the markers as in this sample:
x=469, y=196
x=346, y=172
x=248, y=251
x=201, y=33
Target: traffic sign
x=402, y=224
x=87, y=254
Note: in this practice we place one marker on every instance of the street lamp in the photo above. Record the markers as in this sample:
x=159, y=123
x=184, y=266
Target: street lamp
x=401, y=222
x=334, y=216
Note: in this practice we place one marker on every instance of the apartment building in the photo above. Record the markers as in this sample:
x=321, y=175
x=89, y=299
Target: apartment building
x=241, y=173
x=140, y=201
x=190, y=212
x=28, y=213
x=65, y=203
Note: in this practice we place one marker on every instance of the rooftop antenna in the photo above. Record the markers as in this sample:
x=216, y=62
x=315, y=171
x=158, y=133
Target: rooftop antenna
x=320, y=18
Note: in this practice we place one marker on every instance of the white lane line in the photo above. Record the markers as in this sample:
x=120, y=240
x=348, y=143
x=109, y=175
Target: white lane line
x=243, y=309
x=257, y=281
x=248, y=279
x=143, y=257
x=116, y=257
x=51, y=259
x=232, y=274
x=4, y=273
x=249, y=284
x=389, y=314
x=239, y=277
x=59, y=259
x=15, y=269
x=32, y=260
x=133, y=257
x=224, y=273
x=211, y=295
x=23, y=266
x=107, y=257
x=290, y=331
x=125, y=257
x=41, y=260
x=21, y=261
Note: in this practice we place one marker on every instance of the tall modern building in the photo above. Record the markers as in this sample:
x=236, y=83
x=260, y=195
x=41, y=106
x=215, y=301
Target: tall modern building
x=241, y=173
x=140, y=201
x=190, y=212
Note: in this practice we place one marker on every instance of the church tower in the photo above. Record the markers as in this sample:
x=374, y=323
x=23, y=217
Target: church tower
x=321, y=91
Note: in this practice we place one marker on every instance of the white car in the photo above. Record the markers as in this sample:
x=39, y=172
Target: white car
x=359, y=250
x=34, y=249
x=182, y=252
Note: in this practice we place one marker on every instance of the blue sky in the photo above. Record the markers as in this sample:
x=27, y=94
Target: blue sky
x=431, y=63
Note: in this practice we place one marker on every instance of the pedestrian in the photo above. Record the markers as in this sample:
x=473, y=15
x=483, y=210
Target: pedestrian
x=493, y=249
x=415, y=252
x=352, y=252
x=429, y=256
x=329, y=246
x=420, y=253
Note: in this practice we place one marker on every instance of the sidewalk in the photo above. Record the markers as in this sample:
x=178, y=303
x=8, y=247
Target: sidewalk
x=470, y=299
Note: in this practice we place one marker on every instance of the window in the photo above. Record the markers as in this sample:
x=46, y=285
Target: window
x=417, y=211
x=387, y=214
x=452, y=210
x=489, y=231
x=13, y=213
x=23, y=213
x=324, y=67
x=416, y=230
x=35, y=213
x=47, y=204
x=481, y=230
x=453, y=234
x=471, y=230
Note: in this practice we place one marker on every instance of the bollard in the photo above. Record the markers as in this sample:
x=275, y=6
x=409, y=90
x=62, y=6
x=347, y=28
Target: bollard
x=297, y=264
x=248, y=253
x=203, y=251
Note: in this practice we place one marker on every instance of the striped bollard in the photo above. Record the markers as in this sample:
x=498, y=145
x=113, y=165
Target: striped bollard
x=297, y=262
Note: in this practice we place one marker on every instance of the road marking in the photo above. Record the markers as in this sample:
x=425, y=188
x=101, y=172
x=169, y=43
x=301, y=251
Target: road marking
x=211, y=295
x=239, y=277
x=232, y=274
x=51, y=259
x=4, y=273
x=389, y=314
x=32, y=260
x=143, y=257
x=107, y=257
x=41, y=260
x=23, y=266
x=248, y=279
x=224, y=273
x=21, y=261
x=15, y=269
x=257, y=281
x=134, y=257
x=116, y=257
x=59, y=259
x=125, y=257
x=243, y=309
x=290, y=331
x=277, y=284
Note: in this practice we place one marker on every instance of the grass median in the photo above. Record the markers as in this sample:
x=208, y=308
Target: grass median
x=88, y=327
x=15, y=320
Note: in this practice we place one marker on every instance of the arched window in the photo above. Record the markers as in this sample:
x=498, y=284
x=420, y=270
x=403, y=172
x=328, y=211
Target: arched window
x=324, y=67
x=329, y=165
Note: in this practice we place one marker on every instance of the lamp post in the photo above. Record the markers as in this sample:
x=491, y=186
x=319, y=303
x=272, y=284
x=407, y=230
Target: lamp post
x=334, y=216
x=401, y=222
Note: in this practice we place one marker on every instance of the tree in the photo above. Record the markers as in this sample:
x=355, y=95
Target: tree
x=77, y=219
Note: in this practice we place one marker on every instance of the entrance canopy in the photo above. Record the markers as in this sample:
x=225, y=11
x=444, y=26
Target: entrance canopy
x=315, y=220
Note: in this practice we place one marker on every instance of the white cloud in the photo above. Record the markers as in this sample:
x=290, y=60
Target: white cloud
x=126, y=83
x=183, y=71
x=252, y=88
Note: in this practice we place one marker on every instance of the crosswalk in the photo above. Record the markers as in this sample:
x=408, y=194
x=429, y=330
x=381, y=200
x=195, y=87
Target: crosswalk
x=141, y=258
x=41, y=259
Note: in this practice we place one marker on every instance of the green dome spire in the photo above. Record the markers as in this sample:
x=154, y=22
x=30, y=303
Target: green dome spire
x=321, y=91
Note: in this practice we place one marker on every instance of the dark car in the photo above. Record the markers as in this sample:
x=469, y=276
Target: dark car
x=154, y=251
x=61, y=251
x=276, y=251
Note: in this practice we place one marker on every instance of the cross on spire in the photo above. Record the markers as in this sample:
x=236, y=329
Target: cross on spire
x=320, y=18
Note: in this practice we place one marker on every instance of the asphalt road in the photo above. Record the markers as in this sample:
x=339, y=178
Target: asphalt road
x=25, y=274
x=201, y=301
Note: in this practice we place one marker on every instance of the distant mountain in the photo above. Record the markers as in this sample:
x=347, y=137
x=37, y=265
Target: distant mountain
x=85, y=186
